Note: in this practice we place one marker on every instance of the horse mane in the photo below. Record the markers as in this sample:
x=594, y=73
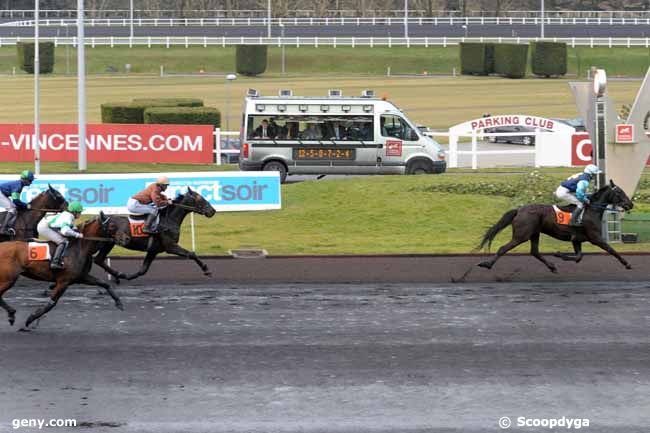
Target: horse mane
x=83, y=225
x=597, y=195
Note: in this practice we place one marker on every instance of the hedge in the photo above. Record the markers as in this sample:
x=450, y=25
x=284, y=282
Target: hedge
x=510, y=60
x=25, y=53
x=169, y=102
x=251, y=59
x=472, y=59
x=133, y=112
x=183, y=116
x=548, y=58
x=122, y=113
x=489, y=57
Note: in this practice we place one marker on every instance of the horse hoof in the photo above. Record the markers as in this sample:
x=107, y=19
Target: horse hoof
x=119, y=306
x=24, y=329
x=628, y=267
x=207, y=273
x=485, y=265
x=554, y=270
x=12, y=320
x=117, y=281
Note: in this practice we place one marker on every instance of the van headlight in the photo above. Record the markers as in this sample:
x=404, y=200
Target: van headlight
x=441, y=155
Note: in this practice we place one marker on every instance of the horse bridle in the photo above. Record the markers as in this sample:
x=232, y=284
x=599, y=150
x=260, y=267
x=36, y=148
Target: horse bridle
x=190, y=208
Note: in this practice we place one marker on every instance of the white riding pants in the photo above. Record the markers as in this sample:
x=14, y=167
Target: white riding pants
x=563, y=193
x=135, y=207
x=46, y=232
x=7, y=203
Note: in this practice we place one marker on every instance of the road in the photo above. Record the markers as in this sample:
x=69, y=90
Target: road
x=415, y=30
x=333, y=358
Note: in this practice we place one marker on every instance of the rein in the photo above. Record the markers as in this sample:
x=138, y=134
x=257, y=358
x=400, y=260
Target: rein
x=95, y=238
x=183, y=206
x=45, y=210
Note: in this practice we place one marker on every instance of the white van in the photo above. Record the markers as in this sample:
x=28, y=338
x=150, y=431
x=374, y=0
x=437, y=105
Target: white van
x=333, y=135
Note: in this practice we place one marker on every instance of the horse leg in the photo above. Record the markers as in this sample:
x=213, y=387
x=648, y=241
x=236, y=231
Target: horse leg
x=534, y=251
x=93, y=281
x=148, y=259
x=605, y=246
x=576, y=257
x=59, y=290
x=504, y=249
x=11, y=312
x=180, y=251
x=100, y=260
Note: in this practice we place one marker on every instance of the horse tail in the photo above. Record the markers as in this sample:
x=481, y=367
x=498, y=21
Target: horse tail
x=493, y=231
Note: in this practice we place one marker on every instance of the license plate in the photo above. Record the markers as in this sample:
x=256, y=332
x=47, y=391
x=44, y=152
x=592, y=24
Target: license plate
x=323, y=153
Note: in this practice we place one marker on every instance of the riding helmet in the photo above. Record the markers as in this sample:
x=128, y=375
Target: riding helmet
x=162, y=180
x=75, y=206
x=592, y=169
x=27, y=175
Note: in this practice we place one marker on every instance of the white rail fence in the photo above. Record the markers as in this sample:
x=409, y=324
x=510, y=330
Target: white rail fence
x=351, y=41
x=218, y=151
x=334, y=21
x=310, y=13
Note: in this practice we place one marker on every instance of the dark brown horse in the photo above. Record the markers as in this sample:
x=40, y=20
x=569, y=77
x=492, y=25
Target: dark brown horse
x=15, y=261
x=166, y=241
x=49, y=200
x=528, y=222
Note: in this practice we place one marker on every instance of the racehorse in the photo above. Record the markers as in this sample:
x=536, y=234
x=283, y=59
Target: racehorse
x=15, y=261
x=49, y=200
x=531, y=220
x=171, y=219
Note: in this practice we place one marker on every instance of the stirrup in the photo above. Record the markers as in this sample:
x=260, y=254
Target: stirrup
x=57, y=266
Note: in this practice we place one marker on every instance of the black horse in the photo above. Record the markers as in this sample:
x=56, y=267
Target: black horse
x=49, y=200
x=166, y=240
x=531, y=220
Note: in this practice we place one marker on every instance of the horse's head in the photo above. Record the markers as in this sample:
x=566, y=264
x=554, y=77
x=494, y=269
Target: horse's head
x=612, y=194
x=49, y=199
x=196, y=202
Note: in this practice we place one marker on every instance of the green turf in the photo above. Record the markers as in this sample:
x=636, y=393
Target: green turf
x=322, y=60
x=68, y=167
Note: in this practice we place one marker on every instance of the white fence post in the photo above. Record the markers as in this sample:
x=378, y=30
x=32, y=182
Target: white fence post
x=474, y=150
x=217, y=144
x=453, y=150
x=193, y=231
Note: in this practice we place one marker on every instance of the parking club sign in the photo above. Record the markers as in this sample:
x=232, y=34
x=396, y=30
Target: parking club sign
x=624, y=133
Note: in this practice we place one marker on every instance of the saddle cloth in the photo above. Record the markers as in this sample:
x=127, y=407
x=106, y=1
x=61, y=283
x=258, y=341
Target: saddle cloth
x=136, y=224
x=38, y=251
x=562, y=217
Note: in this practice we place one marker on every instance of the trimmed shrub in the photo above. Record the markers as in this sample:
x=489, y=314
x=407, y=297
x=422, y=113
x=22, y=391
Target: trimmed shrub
x=548, y=58
x=489, y=57
x=25, y=53
x=251, y=59
x=510, y=60
x=472, y=59
x=169, y=102
x=183, y=116
x=122, y=113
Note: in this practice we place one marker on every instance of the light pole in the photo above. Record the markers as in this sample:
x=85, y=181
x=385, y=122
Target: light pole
x=406, y=18
x=542, y=27
x=282, y=36
x=229, y=79
x=37, y=73
x=131, y=18
x=466, y=29
x=81, y=85
x=268, y=23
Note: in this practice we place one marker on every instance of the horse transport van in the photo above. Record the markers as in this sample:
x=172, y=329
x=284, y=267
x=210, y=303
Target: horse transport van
x=333, y=135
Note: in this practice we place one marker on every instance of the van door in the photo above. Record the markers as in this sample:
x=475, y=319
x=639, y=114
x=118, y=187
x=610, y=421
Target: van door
x=399, y=141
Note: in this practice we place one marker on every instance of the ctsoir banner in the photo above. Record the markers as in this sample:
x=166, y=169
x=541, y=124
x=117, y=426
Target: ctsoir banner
x=581, y=150
x=192, y=144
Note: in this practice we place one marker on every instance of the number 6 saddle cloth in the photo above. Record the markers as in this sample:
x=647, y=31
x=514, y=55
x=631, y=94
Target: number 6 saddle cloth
x=38, y=251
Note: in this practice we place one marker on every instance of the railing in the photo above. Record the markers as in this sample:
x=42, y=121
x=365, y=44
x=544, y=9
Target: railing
x=335, y=21
x=218, y=151
x=352, y=41
x=332, y=13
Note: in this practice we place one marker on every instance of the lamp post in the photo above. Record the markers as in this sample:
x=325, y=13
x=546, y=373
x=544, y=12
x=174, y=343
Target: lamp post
x=81, y=85
x=131, y=19
x=37, y=73
x=542, y=27
x=229, y=79
x=268, y=23
x=406, y=19
x=282, y=36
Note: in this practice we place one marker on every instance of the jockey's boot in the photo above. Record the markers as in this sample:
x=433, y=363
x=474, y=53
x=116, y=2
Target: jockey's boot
x=150, y=225
x=57, y=260
x=576, y=217
x=7, y=228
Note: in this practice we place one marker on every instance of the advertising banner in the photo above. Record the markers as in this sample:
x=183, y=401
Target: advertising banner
x=225, y=191
x=582, y=150
x=190, y=144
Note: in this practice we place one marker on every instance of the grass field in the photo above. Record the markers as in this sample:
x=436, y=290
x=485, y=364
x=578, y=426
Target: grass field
x=433, y=101
x=358, y=215
x=631, y=62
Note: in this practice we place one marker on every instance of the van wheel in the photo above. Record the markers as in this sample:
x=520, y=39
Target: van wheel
x=419, y=167
x=528, y=141
x=277, y=166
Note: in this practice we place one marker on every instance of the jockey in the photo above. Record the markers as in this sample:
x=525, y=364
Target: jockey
x=57, y=228
x=574, y=190
x=10, y=200
x=149, y=201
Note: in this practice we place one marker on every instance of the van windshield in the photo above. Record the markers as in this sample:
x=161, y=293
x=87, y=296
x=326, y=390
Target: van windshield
x=310, y=127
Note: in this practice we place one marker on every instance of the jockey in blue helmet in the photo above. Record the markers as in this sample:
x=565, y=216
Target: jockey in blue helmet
x=574, y=191
x=11, y=202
